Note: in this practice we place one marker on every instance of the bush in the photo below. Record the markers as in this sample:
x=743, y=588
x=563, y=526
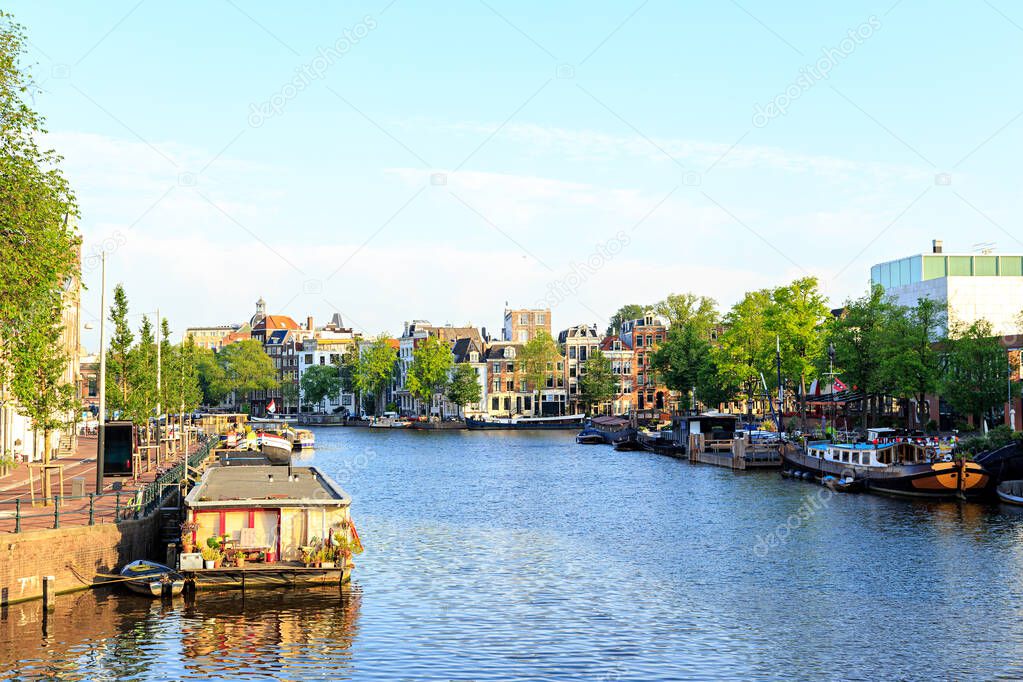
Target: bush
x=932, y=427
x=1001, y=436
x=975, y=445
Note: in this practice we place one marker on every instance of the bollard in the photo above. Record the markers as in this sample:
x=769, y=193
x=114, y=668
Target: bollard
x=17, y=515
x=49, y=592
x=56, y=512
x=117, y=507
x=92, y=509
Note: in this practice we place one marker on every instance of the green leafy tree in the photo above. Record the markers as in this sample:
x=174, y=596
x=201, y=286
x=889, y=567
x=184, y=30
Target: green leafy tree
x=319, y=382
x=290, y=395
x=374, y=370
x=246, y=368
x=597, y=385
x=796, y=316
x=685, y=363
x=39, y=361
x=687, y=308
x=861, y=336
x=746, y=349
x=430, y=370
x=189, y=394
x=170, y=374
x=210, y=376
x=142, y=375
x=464, y=388
x=539, y=359
x=910, y=360
x=39, y=248
x=631, y=311
x=975, y=379
x=119, y=355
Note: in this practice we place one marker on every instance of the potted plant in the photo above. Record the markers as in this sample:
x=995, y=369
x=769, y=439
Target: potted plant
x=239, y=558
x=210, y=557
x=188, y=529
x=307, y=555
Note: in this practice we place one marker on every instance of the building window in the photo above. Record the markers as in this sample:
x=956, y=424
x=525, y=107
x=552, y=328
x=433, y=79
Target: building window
x=639, y=341
x=523, y=318
x=308, y=358
x=523, y=335
x=92, y=387
x=323, y=360
x=571, y=352
x=495, y=404
x=541, y=318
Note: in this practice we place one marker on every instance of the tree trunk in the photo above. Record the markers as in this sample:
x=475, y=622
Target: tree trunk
x=46, y=460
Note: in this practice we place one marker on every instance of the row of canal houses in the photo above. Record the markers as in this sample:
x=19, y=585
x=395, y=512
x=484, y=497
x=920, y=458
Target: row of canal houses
x=505, y=392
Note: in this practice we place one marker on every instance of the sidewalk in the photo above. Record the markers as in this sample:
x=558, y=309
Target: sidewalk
x=72, y=512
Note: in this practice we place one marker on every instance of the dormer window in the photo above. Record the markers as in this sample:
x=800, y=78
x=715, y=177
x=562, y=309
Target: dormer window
x=509, y=352
x=474, y=357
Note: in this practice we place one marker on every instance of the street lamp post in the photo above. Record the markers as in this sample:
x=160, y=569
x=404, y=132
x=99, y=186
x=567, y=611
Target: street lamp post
x=101, y=437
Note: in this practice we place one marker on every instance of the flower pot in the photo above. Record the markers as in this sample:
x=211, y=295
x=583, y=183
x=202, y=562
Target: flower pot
x=187, y=546
x=239, y=562
x=209, y=563
x=217, y=563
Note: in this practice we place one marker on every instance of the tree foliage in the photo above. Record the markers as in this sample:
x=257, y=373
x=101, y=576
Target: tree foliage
x=685, y=363
x=464, y=388
x=598, y=384
x=428, y=374
x=119, y=355
x=245, y=367
x=910, y=362
x=375, y=369
x=319, y=382
x=976, y=369
x=631, y=311
x=539, y=358
x=39, y=248
x=687, y=308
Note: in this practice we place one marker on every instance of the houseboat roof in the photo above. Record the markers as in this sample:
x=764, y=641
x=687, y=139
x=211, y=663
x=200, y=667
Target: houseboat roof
x=266, y=486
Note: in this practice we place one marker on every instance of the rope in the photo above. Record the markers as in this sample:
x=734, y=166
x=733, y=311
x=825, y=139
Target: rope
x=112, y=578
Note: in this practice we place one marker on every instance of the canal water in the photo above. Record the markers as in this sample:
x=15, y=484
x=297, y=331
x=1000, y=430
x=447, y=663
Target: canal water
x=525, y=556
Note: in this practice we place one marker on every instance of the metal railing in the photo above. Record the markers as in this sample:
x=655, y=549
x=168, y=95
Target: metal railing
x=126, y=505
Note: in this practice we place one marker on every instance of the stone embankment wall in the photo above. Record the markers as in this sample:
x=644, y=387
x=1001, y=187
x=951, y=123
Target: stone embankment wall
x=25, y=558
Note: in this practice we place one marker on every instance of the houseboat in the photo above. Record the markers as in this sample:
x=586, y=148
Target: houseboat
x=899, y=468
x=604, y=430
x=271, y=525
x=304, y=439
x=572, y=421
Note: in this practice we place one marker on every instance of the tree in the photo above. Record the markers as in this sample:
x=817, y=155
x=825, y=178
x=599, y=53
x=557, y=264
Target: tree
x=39, y=246
x=119, y=379
x=975, y=378
x=597, y=385
x=39, y=361
x=685, y=364
x=189, y=393
x=290, y=396
x=319, y=382
x=374, y=369
x=745, y=349
x=796, y=317
x=464, y=387
x=246, y=368
x=210, y=376
x=679, y=309
x=142, y=395
x=631, y=311
x=429, y=372
x=911, y=363
x=538, y=359
x=860, y=336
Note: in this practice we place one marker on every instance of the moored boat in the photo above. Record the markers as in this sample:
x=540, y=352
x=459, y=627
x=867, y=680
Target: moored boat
x=1011, y=492
x=303, y=439
x=275, y=447
x=152, y=579
x=589, y=436
x=902, y=469
x=572, y=421
x=603, y=430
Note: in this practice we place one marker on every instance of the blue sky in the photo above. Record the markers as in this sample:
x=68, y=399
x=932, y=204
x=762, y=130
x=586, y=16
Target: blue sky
x=435, y=160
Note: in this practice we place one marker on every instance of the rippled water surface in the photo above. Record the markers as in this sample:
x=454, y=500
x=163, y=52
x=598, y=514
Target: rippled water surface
x=525, y=556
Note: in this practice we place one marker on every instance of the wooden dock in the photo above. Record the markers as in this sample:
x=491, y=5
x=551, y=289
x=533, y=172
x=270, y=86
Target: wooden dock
x=261, y=576
x=737, y=453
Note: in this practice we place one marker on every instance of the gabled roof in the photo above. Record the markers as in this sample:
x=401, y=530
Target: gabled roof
x=463, y=347
x=452, y=334
x=276, y=322
x=496, y=350
x=607, y=343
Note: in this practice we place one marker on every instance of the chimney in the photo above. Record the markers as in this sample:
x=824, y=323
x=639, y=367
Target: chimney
x=936, y=246
x=309, y=323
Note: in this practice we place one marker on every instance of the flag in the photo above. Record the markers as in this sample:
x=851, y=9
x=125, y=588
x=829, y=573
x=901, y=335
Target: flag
x=272, y=407
x=839, y=386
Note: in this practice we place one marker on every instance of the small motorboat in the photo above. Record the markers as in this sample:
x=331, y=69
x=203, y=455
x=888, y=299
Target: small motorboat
x=1011, y=492
x=303, y=439
x=152, y=579
x=275, y=447
x=847, y=484
x=590, y=436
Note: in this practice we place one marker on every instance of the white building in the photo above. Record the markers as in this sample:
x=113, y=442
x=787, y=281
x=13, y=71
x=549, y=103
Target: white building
x=970, y=286
x=326, y=346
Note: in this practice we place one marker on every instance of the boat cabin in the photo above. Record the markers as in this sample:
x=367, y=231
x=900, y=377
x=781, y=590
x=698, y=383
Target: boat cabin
x=222, y=423
x=610, y=424
x=717, y=428
x=871, y=455
x=271, y=508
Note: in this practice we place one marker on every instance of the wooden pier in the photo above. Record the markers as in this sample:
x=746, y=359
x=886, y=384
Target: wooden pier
x=734, y=453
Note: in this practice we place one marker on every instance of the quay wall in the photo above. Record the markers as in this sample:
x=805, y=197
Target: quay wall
x=26, y=558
